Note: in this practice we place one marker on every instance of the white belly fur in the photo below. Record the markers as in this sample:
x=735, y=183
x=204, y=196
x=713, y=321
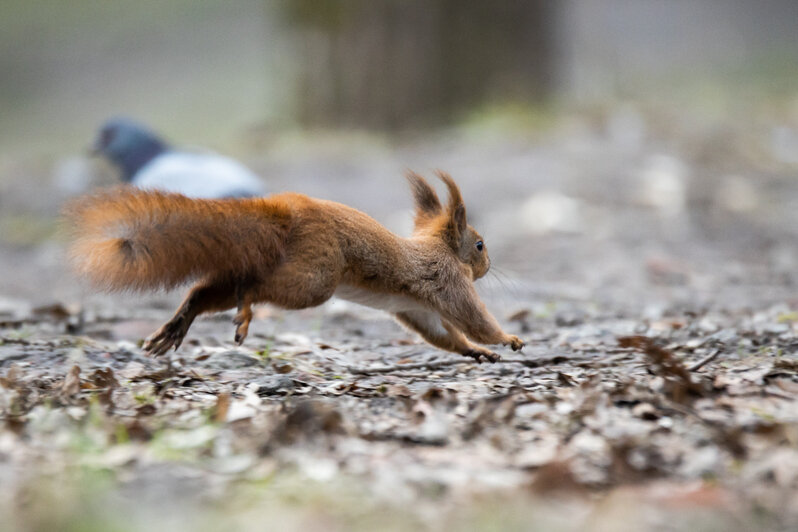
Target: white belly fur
x=368, y=298
x=431, y=321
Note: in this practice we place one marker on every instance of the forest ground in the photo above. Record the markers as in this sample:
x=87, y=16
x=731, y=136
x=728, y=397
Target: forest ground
x=648, y=257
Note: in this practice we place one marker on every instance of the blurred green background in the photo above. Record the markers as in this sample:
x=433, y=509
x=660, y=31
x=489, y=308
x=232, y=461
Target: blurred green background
x=191, y=66
x=216, y=72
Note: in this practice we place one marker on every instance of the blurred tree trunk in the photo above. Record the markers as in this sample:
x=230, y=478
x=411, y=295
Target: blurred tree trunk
x=393, y=64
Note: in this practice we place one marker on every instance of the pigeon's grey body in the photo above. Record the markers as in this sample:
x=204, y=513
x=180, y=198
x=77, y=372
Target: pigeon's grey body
x=147, y=162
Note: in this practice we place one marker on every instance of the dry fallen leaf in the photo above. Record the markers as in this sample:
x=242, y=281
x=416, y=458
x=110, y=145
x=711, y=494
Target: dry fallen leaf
x=665, y=364
x=221, y=407
x=71, y=385
x=557, y=478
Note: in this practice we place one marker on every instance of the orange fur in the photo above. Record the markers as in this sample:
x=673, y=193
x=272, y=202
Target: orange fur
x=292, y=251
x=125, y=238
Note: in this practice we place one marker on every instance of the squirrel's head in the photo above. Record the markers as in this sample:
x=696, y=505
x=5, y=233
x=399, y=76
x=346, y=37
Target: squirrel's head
x=449, y=224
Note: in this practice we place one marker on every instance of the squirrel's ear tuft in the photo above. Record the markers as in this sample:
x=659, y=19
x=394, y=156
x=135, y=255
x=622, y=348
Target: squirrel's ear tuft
x=456, y=211
x=427, y=203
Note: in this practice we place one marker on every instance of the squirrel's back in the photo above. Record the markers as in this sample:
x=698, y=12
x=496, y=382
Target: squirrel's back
x=125, y=238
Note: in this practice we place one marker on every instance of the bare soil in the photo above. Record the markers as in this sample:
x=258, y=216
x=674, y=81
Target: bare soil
x=649, y=262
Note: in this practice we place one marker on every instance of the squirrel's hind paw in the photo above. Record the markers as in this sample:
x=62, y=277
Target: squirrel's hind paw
x=168, y=336
x=241, y=321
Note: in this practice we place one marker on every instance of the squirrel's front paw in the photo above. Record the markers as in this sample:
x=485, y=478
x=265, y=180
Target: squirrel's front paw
x=514, y=342
x=480, y=354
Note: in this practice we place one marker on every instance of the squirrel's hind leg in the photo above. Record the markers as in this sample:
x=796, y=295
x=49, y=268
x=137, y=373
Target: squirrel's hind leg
x=203, y=297
x=244, y=315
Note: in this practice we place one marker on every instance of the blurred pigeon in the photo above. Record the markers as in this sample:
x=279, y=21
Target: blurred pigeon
x=146, y=161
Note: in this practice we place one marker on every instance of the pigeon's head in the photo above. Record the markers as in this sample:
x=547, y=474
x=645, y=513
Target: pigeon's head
x=127, y=144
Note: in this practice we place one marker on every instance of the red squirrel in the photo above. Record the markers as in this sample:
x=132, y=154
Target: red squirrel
x=294, y=252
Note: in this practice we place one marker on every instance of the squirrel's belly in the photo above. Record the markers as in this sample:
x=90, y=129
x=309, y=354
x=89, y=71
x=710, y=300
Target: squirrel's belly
x=378, y=300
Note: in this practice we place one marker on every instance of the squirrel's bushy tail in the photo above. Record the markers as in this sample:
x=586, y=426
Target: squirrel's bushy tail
x=124, y=238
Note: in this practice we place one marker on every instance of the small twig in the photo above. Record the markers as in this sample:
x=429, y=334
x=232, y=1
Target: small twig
x=707, y=359
x=607, y=362
x=435, y=364
x=9, y=340
x=404, y=367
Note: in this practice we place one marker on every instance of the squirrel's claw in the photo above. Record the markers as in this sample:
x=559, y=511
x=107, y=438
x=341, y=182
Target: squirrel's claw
x=515, y=343
x=480, y=355
x=241, y=320
x=169, y=336
x=240, y=335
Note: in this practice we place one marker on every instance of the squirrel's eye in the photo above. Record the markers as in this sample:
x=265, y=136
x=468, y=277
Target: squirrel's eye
x=479, y=245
